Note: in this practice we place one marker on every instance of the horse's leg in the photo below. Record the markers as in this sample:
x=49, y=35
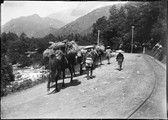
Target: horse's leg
x=48, y=84
x=87, y=69
x=81, y=71
x=56, y=88
x=100, y=60
x=73, y=68
x=63, y=84
x=97, y=61
x=57, y=74
x=71, y=72
x=91, y=71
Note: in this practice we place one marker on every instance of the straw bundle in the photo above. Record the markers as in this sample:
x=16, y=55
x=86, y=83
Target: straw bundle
x=101, y=48
x=72, y=47
x=48, y=52
x=57, y=45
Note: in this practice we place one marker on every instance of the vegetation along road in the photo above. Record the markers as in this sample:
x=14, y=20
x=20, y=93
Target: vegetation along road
x=110, y=94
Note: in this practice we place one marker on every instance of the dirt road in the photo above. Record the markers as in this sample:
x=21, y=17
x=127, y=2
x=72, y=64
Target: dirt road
x=110, y=94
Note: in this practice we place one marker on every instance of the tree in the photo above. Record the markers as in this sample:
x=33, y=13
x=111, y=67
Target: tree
x=23, y=36
x=101, y=25
x=6, y=73
x=50, y=37
x=6, y=40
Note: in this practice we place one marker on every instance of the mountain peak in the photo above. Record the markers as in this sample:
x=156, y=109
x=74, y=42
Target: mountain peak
x=32, y=25
x=35, y=15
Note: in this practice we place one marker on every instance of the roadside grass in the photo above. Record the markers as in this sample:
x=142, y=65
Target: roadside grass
x=159, y=56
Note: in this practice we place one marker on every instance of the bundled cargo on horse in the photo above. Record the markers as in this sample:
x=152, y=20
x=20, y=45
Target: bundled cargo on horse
x=48, y=52
x=58, y=45
x=52, y=49
x=66, y=46
x=100, y=48
x=72, y=47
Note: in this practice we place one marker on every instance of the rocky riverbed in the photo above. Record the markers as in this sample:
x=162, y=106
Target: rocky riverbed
x=27, y=77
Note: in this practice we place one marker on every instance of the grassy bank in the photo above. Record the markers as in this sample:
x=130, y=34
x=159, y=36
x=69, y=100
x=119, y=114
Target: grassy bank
x=161, y=56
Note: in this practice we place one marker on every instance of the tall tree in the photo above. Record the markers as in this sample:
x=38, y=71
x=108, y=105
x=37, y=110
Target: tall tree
x=101, y=25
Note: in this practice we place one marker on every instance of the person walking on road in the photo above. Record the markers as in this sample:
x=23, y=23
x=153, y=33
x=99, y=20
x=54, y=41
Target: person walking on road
x=120, y=58
x=89, y=63
x=108, y=54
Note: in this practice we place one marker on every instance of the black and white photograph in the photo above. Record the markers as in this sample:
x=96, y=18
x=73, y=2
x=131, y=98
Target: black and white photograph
x=84, y=59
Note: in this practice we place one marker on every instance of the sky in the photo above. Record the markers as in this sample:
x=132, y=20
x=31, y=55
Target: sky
x=15, y=9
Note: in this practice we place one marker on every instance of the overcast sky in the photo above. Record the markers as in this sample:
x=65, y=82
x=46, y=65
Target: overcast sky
x=15, y=9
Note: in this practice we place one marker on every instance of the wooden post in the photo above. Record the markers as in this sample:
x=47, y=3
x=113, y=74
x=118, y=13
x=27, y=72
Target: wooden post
x=132, y=39
x=98, y=38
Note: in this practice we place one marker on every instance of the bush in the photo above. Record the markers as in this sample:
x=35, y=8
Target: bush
x=6, y=74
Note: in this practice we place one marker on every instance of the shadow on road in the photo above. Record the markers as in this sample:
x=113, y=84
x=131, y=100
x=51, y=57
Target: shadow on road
x=91, y=78
x=74, y=83
x=118, y=69
x=77, y=74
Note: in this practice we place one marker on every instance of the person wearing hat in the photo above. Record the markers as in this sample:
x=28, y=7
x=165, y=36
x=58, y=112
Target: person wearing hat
x=108, y=54
x=89, y=63
x=120, y=58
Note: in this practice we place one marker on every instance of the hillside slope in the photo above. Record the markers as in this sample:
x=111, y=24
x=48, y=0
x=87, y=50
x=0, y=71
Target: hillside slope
x=83, y=25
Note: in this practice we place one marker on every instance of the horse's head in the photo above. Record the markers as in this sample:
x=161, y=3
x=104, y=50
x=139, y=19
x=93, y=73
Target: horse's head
x=58, y=54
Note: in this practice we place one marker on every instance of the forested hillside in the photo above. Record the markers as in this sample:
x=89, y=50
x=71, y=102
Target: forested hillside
x=148, y=19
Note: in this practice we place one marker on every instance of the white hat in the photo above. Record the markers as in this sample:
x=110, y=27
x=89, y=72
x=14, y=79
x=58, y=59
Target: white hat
x=119, y=51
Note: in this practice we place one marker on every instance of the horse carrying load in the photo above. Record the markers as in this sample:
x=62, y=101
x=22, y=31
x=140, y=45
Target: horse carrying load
x=66, y=46
x=59, y=61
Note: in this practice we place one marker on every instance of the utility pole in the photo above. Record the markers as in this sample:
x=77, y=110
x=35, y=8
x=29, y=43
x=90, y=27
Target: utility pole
x=143, y=45
x=98, y=37
x=132, y=39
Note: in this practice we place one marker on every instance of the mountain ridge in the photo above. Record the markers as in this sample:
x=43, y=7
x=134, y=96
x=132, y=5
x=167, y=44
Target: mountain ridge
x=36, y=26
x=31, y=25
x=83, y=24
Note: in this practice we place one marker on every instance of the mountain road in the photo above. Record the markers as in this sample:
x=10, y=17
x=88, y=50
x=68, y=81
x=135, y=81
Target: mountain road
x=109, y=94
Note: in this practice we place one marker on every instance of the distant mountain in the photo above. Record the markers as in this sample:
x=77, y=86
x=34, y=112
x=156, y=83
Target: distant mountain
x=83, y=25
x=33, y=26
x=36, y=26
x=64, y=16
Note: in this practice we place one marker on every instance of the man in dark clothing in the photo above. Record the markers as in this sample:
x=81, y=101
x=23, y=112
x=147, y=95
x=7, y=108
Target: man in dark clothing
x=120, y=58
